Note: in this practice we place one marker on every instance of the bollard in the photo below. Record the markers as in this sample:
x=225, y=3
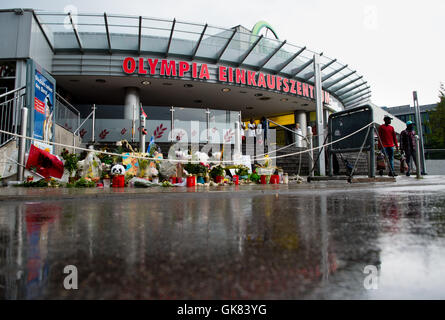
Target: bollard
x=418, y=157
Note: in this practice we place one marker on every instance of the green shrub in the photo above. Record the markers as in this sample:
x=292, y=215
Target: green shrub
x=71, y=160
x=254, y=177
x=84, y=183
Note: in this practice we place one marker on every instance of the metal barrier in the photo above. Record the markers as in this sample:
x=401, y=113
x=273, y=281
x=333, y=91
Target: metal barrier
x=341, y=124
x=10, y=104
x=308, y=139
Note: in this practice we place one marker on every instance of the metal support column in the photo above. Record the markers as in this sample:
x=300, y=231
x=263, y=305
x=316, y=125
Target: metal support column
x=419, y=132
x=133, y=124
x=142, y=132
x=172, y=124
x=22, y=145
x=208, y=124
x=319, y=114
x=237, y=146
x=300, y=117
x=93, y=124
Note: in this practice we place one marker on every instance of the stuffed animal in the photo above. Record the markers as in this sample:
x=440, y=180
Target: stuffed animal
x=216, y=157
x=201, y=157
x=118, y=169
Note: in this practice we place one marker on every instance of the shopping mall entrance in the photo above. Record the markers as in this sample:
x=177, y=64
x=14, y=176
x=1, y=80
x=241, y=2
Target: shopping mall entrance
x=175, y=109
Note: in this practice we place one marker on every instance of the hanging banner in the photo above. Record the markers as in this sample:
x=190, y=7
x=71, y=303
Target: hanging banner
x=42, y=88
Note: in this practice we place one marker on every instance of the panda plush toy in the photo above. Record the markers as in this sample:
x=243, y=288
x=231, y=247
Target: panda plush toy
x=118, y=172
x=118, y=169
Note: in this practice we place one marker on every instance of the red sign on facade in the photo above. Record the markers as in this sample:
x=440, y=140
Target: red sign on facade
x=172, y=68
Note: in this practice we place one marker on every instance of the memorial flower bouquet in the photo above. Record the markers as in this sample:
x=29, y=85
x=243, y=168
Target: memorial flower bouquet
x=217, y=171
x=71, y=160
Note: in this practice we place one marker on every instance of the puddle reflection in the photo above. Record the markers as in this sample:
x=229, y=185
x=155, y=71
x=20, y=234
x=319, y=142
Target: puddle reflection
x=221, y=247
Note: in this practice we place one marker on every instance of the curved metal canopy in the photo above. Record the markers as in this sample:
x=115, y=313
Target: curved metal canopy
x=109, y=33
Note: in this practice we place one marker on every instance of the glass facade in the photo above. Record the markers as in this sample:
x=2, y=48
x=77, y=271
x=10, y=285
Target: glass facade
x=189, y=125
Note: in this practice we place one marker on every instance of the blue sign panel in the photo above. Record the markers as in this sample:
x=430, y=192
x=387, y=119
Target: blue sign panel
x=41, y=98
x=43, y=107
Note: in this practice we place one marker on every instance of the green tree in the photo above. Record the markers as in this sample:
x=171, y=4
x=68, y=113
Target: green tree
x=436, y=138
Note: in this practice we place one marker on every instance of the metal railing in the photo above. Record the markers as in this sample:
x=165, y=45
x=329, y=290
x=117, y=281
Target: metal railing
x=10, y=104
x=67, y=116
x=308, y=144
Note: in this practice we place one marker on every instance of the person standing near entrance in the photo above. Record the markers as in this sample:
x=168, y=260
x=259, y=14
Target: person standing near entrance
x=242, y=129
x=408, y=144
x=251, y=129
x=265, y=127
x=387, y=141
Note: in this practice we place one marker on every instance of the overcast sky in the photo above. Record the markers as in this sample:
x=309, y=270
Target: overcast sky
x=399, y=46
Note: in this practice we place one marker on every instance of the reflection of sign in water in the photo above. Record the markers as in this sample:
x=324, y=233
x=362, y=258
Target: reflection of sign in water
x=43, y=107
x=39, y=218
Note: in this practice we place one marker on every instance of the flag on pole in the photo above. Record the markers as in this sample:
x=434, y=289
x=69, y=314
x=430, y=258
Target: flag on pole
x=152, y=141
x=45, y=163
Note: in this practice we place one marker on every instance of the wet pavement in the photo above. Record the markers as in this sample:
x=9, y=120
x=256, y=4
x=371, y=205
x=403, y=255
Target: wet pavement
x=306, y=241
